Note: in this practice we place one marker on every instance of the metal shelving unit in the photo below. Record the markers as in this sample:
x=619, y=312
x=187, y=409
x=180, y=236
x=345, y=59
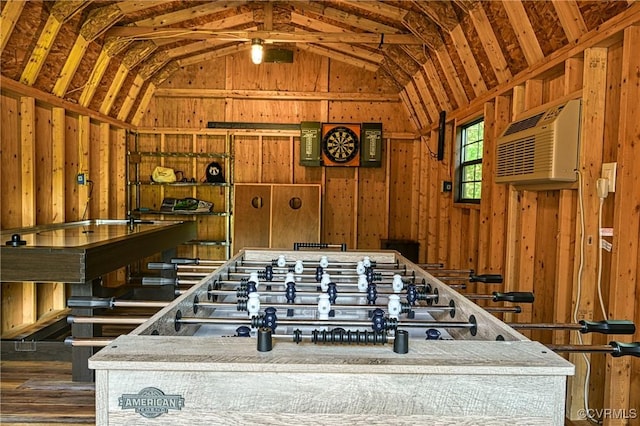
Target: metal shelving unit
x=186, y=151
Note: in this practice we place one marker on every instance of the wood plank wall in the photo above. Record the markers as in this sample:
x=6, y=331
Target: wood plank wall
x=377, y=207
x=533, y=237
x=43, y=148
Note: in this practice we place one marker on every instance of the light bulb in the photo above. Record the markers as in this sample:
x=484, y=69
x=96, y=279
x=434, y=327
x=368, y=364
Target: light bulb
x=256, y=51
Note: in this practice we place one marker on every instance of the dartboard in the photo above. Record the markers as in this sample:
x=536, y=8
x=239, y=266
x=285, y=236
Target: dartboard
x=340, y=144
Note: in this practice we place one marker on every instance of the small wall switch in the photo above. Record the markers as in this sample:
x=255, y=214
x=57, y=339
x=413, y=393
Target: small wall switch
x=609, y=173
x=82, y=178
x=447, y=186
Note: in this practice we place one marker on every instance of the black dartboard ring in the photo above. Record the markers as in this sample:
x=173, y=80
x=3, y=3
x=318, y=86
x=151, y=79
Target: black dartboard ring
x=340, y=144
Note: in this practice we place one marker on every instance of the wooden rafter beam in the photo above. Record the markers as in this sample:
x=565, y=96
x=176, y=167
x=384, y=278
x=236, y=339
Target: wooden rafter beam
x=339, y=56
x=379, y=8
x=466, y=5
x=524, y=31
x=153, y=64
x=358, y=52
x=316, y=25
x=276, y=95
x=218, y=53
x=60, y=13
x=346, y=18
x=41, y=50
x=183, y=15
x=416, y=52
x=268, y=16
x=451, y=75
x=402, y=59
x=440, y=12
x=571, y=18
x=99, y=20
x=131, y=97
x=424, y=29
x=490, y=44
x=8, y=19
x=150, y=33
x=467, y=57
x=436, y=85
x=136, y=54
x=132, y=6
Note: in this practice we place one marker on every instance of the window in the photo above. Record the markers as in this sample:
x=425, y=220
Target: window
x=470, y=166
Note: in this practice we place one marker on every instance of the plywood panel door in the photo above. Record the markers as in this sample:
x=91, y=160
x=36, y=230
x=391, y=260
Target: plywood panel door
x=252, y=208
x=295, y=215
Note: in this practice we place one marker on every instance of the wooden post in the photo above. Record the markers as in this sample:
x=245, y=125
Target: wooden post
x=58, y=118
x=28, y=159
x=84, y=133
x=567, y=204
x=626, y=224
x=588, y=244
x=104, y=184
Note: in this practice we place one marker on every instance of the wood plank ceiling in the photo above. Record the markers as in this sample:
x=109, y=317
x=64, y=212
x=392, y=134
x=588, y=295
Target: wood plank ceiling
x=437, y=55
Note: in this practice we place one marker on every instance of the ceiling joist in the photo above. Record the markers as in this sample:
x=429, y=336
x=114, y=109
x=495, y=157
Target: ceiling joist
x=151, y=33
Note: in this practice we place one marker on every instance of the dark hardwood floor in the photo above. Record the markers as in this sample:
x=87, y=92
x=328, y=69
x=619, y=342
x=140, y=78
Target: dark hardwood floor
x=42, y=393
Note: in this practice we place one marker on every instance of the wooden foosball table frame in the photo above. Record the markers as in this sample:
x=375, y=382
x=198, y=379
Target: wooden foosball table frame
x=165, y=373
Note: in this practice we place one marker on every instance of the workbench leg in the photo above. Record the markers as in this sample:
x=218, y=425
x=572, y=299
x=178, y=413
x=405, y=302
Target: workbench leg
x=80, y=355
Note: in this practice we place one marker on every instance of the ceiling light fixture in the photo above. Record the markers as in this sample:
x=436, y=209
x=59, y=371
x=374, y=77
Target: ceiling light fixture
x=256, y=51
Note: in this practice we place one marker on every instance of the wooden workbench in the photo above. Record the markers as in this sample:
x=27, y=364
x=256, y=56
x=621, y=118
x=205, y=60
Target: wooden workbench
x=79, y=253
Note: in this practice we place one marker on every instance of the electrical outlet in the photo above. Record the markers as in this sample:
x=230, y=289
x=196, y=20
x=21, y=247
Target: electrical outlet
x=609, y=173
x=82, y=178
x=447, y=186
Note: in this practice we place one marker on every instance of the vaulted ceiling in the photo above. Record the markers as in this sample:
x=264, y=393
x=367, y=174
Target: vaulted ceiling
x=437, y=55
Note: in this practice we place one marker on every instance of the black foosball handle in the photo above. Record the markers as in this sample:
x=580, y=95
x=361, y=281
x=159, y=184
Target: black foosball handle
x=625, y=349
x=486, y=278
x=298, y=246
x=608, y=327
x=514, y=296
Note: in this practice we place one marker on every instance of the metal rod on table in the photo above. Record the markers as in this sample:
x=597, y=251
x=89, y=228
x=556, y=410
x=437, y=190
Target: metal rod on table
x=282, y=293
x=163, y=266
x=616, y=349
x=328, y=323
x=75, y=341
x=315, y=305
x=315, y=263
x=584, y=326
x=73, y=319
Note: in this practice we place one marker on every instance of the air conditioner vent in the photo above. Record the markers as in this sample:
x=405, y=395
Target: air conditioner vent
x=521, y=125
x=520, y=158
x=541, y=148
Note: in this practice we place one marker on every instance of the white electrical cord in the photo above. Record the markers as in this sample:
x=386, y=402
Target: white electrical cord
x=604, y=311
x=587, y=411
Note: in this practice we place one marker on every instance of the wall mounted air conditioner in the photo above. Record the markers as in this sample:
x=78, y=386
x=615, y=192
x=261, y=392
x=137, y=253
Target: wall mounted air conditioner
x=542, y=148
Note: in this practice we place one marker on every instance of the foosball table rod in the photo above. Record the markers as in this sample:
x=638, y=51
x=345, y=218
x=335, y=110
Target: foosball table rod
x=378, y=323
x=584, y=326
x=112, y=302
x=87, y=342
x=120, y=320
x=616, y=349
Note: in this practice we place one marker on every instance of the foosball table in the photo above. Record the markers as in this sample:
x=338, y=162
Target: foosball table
x=326, y=337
